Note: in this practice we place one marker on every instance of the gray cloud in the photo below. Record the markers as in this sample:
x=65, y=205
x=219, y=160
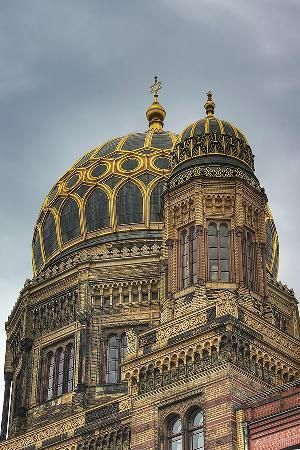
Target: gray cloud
x=74, y=74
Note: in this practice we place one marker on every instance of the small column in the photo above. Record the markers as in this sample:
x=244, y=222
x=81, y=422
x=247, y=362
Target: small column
x=6, y=403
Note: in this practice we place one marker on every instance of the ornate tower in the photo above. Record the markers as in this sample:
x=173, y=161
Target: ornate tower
x=154, y=310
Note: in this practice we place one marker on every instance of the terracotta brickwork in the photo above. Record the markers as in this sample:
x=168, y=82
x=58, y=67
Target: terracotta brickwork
x=274, y=421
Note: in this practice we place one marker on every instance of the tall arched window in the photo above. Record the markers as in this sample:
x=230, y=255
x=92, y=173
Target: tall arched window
x=70, y=368
x=155, y=202
x=175, y=438
x=112, y=360
x=129, y=204
x=195, y=430
x=60, y=361
x=58, y=372
x=115, y=354
x=49, y=376
x=69, y=220
x=249, y=260
x=218, y=252
x=49, y=235
x=189, y=256
x=97, y=210
x=37, y=252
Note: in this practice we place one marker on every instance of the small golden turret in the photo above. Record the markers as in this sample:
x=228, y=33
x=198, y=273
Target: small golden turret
x=156, y=113
x=209, y=105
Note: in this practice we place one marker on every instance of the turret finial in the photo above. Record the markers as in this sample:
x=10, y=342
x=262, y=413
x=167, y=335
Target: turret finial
x=156, y=113
x=209, y=105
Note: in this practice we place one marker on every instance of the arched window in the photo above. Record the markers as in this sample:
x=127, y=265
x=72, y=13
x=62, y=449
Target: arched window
x=49, y=235
x=129, y=204
x=175, y=439
x=189, y=256
x=112, y=360
x=58, y=372
x=70, y=368
x=115, y=354
x=37, y=252
x=248, y=259
x=195, y=430
x=60, y=361
x=155, y=202
x=49, y=376
x=218, y=252
x=97, y=210
x=69, y=220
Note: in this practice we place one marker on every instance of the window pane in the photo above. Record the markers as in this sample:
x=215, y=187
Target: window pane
x=212, y=241
x=155, y=202
x=224, y=265
x=60, y=371
x=225, y=276
x=212, y=229
x=223, y=230
x=97, y=211
x=50, y=376
x=176, y=443
x=69, y=220
x=185, y=258
x=49, y=235
x=70, y=369
x=196, y=439
x=176, y=426
x=112, y=363
x=129, y=204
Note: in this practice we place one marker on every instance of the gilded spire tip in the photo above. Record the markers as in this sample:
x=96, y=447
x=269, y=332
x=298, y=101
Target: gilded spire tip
x=156, y=113
x=209, y=105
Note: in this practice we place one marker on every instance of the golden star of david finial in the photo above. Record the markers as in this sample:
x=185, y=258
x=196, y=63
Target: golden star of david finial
x=155, y=87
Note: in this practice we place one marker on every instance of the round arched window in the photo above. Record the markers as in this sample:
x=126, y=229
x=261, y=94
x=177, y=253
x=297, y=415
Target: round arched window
x=175, y=440
x=195, y=430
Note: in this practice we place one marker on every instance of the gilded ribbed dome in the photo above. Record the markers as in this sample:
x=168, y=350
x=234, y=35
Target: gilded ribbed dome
x=111, y=193
x=212, y=140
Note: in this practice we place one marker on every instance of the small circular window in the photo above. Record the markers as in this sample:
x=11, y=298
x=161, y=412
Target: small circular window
x=99, y=170
x=162, y=163
x=130, y=164
x=72, y=181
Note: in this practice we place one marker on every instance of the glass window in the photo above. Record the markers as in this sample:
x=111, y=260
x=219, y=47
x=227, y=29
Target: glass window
x=112, y=360
x=49, y=235
x=155, y=202
x=249, y=260
x=194, y=254
x=185, y=258
x=129, y=204
x=50, y=366
x=69, y=220
x=70, y=368
x=37, y=252
x=175, y=441
x=97, y=210
x=60, y=361
x=195, y=431
x=218, y=252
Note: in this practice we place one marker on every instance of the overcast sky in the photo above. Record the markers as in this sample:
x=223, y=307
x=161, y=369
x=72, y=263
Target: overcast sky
x=76, y=73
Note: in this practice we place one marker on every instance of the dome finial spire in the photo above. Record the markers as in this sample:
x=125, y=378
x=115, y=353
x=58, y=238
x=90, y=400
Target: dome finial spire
x=156, y=113
x=209, y=105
